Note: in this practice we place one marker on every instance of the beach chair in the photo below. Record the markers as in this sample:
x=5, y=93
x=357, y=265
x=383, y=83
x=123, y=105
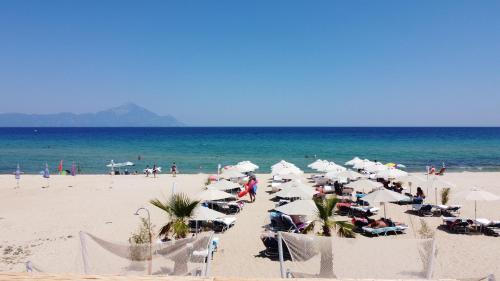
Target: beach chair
x=397, y=229
x=223, y=224
x=347, y=191
x=448, y=211
x=270, y=241
x=343, y=208
x=490, y=228
x=363, y=211
x=425, y=210
x=457, y=225
x=195, y=226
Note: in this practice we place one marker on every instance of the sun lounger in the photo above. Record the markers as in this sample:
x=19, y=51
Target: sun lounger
x=449, y=211
x=423, y=210
x=490, y=228
x=384, y=230
x=223, y=224
x=363, y=211
x=457, y=225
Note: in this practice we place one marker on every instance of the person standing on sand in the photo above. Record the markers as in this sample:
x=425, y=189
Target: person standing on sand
x=252, y=188
x=147, y=170
x=173, y=169
x=155, y=170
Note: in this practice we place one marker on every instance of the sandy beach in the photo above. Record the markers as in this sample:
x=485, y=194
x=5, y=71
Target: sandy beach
x=42, y=224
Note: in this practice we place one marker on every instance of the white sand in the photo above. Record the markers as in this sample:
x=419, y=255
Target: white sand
x=42, y=224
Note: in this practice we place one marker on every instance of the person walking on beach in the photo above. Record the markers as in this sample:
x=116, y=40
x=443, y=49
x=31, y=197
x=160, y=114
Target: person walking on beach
x=173, y=169
x=147, y=170
x=155, y=170
x=252, y=188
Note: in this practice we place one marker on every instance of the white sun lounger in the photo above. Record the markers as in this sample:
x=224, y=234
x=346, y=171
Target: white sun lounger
x=227, y=222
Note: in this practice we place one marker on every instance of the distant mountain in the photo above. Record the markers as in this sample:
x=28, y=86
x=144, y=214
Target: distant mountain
x=127, y=115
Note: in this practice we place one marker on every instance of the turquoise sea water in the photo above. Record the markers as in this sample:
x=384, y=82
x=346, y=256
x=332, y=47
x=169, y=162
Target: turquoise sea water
x=201, y=149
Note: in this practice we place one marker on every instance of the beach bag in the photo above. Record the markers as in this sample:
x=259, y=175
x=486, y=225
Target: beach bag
x=254, y=188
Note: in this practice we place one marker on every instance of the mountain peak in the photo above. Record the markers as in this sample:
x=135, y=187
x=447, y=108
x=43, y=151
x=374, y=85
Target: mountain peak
x=126, y=115
x=127, y=108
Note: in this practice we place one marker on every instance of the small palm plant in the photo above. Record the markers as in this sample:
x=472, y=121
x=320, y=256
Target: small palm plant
x=445, y=195
x=325, y=217
x=179, y=209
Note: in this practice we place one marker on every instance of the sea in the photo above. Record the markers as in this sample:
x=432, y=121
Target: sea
x=202, y=149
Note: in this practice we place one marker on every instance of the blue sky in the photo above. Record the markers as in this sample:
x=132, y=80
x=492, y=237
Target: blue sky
x=302, y=63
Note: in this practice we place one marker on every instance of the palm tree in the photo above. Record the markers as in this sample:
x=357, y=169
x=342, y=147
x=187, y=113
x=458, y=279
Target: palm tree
x=179, y=209
x=325, y=216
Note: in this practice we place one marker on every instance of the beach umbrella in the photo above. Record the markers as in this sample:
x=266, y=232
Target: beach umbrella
x=231, y=173
x=475, y=194
x=383, y=195
x=223, y=185
x=348, y=174
x=281, y=163
x=213, y=195
x=315, y=164
x=287, y=170
x=293, y=183
x=376, y=167
x=353, y=161
x=363, y=184
x=291, y=177
x=318, y=164
x=299, y=208
x=202, y=213
x=363, y=164
x=246, y=166
x=296, y=191
x=331, y=167
x=391, y=173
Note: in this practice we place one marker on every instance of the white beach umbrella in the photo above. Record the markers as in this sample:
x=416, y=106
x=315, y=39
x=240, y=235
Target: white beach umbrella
x=383, y=195
x=296, y=190
x=223, y=185
x=353, y=161
x=299, y=208
x=231, y=173
x=391, y=174
x=348, y=174
x=314, y=164
x=293, y=183
x=363, y=164
x=282, y=164
x=363, y=184
x=319, y=165
x=246, y=166
x=331, y=167
x=287, y=170
x=249, y=163
x=291, y=177
x=213, y=194
x=376, y=167
x=475, y=194
x=202, y=213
